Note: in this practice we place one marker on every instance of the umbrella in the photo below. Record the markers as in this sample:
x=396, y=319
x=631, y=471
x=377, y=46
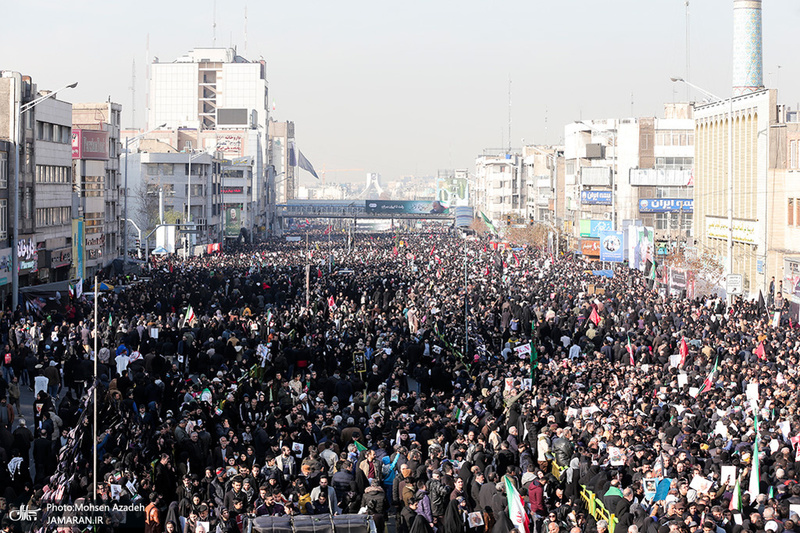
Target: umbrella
x=160, y=251
x=105, y=286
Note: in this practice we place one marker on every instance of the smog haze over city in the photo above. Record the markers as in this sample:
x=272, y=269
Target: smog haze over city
x=406, y=88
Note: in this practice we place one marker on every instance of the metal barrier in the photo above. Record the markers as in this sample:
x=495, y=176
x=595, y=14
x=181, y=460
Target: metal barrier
x=596, y=508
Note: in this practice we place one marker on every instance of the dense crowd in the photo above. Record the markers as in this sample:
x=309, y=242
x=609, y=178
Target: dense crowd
x=391, y=389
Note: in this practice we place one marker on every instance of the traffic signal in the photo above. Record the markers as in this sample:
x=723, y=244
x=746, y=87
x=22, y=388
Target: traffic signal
x=508, y=219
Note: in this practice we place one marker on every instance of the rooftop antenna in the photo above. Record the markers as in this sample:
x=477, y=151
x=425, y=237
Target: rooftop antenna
x=688, y=56
x=245, y=30
x=632, y=115
x=509, y=113
x=214, y=26
x=545, y=125
x=133, y=95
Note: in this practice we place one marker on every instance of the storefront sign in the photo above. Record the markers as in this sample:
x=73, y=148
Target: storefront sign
x=666, y=205
x=27, y=256
x=743, y=230
x=590, y=247
x=596, y=197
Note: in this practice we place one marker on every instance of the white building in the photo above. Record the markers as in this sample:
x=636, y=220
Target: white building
x=499, y=186
x=216, y=90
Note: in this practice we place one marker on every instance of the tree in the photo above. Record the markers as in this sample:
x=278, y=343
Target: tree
x=535, y=235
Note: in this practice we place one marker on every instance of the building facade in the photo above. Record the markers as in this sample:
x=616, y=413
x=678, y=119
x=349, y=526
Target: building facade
x=96, y=180
x=499, y=190
x=732, y=184
x=223, y=98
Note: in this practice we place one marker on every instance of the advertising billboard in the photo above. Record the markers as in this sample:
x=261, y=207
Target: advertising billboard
x=596, y=197
x=90, y=144
x=5, y=266
x=612, y=246
x=592, y=228
x=452, y=191
x=406, y=207
x=233, y=220
x=590, y=247
x=666, y=205
x=641, y=246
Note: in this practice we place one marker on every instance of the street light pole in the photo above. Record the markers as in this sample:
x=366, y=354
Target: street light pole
x=125, y=206
x=21, y=109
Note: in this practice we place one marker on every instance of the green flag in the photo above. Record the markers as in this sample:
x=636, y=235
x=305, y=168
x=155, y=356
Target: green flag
x=736, y=498
x=488, y=223
x=360, y=447
x=109, y=319
x=755, y=472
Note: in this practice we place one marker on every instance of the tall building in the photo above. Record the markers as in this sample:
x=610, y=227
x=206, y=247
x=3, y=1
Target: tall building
x=223, y=98
x=96, y=180
x=732, y=182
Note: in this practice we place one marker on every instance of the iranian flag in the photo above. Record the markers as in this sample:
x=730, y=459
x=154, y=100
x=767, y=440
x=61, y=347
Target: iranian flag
x=709, y=382
x=190, y=316
x=516, y=508
x=736, y=498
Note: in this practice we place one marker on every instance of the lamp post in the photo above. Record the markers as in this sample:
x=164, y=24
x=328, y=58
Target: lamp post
x=128, y=141
x=729, y=261
x=192, y=157
x=21, y=109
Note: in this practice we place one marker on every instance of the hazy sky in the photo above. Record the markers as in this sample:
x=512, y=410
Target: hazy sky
x=409, y=87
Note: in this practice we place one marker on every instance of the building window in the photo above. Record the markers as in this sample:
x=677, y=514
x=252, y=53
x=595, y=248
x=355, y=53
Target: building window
x=3, y=170
x=152, y=169
x=790, y=213
x=166, y=169
x=793, y=154
x=3, y=218
x=662, y=220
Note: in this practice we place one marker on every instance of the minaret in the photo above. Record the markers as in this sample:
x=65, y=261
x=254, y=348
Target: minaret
x=748, y=69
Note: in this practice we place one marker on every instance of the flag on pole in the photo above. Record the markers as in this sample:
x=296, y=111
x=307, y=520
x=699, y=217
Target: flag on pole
x=684, y=350
x=736, y=498
x=292, y=157
x=331, y=303
x=305, y=164
x=755, y=471
x=534, y=361
x=709, y=382
x=516, y=508
x=630, y=351
x=71, y=288
x=190, y=316
x=110, y=322
x=488, y=223
x=360, y=447
x=79, y=288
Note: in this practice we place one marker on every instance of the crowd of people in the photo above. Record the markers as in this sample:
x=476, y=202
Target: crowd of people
x=227, y=391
